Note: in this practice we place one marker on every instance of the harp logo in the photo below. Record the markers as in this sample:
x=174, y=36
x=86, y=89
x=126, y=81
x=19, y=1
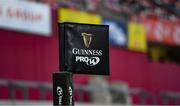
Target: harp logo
x=87, y=38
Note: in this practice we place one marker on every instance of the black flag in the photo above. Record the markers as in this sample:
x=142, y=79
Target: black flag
x=84, y=48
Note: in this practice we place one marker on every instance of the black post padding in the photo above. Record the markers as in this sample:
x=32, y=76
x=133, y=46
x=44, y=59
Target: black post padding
x=62, y=89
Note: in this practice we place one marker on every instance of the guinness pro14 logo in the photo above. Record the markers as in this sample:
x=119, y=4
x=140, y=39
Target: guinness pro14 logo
x=90, y=61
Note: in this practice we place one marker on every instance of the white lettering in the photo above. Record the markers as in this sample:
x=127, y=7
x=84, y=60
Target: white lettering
x=92, y=61
x=60, y=94
x=71, y=95
x=88, y=52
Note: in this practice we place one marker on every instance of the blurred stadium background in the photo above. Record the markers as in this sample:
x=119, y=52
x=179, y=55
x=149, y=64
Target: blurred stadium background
x=144, y=51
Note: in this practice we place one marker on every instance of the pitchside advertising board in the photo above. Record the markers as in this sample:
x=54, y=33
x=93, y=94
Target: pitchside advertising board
x=70, y=15
x=137, y=37
x=117, y=33
x=25, y=16
x=84, y=48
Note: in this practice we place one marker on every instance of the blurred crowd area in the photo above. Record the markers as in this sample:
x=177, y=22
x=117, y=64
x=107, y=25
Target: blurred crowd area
x=128, y=9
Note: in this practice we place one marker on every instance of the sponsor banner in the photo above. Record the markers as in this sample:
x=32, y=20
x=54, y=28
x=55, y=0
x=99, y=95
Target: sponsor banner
x=70, y=15
x=136, y=37
x=117, y=33
x=163, y=31
x=25, y=16
x=84, y=48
